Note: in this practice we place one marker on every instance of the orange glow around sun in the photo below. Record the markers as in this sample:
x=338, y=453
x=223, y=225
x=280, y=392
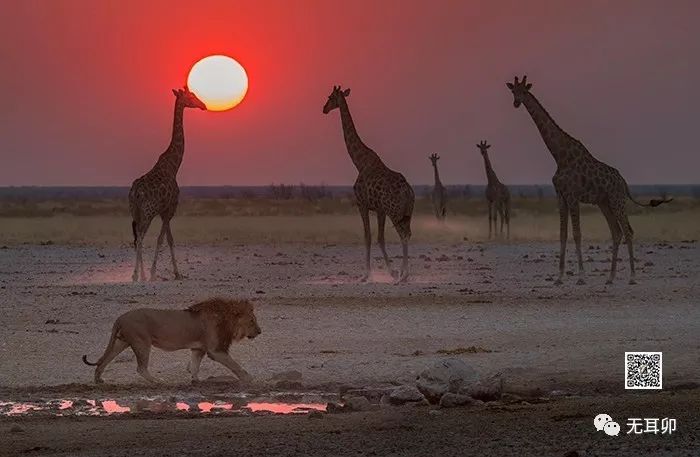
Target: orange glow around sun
x=219, y=81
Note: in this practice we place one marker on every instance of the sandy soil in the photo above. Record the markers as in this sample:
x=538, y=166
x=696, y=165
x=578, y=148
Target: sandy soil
x=59, y=302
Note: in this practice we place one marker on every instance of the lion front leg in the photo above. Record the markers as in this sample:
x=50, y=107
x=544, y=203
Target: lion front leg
x=225, y=359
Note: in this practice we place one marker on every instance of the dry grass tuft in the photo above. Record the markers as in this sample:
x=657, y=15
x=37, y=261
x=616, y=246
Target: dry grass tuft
x=327, y=220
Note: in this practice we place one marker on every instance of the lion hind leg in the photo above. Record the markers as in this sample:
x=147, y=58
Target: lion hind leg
x=226, y=360
x=143, y=354
x=114, y=349
x=195, y=362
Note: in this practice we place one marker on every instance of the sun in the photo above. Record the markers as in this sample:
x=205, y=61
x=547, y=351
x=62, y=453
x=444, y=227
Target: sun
x=219, y=81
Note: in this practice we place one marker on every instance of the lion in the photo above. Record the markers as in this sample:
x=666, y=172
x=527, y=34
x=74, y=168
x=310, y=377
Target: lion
x=207, y=328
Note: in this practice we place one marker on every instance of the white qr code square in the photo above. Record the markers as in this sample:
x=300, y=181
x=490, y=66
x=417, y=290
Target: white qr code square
x=643, y=370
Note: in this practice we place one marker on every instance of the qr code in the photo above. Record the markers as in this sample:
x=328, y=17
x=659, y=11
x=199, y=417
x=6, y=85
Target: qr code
x=643, y=370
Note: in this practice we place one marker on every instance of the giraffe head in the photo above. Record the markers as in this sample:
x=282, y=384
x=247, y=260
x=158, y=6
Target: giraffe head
x=520, y=89
x=434, y=158
x=334, y=99
x=483, y=146
x=188, y=99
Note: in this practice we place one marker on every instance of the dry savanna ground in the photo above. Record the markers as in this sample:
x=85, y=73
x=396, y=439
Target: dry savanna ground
x=65, y=275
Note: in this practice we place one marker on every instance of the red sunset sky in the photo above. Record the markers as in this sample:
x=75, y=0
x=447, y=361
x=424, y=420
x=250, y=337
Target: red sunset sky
x=87, y=100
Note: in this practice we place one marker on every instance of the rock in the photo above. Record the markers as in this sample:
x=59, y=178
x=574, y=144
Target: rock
x=289, y=380
x=486, y=389
x=315, y=414
x=334, y=408
x=450, y=400
x=446, y=375
x=374, y=395
x=16, y=429
x=406, y=394
x=359, y=404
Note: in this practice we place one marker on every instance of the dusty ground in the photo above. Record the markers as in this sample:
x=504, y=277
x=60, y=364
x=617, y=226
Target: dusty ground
x=561, y=428
x=58, y=302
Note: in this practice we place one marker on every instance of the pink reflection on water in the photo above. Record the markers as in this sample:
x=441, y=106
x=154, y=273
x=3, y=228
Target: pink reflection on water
x=21, y=408
x=111, y=406
x=206, y=406
x=65, y=404
x=182, y=406
x=286, y=408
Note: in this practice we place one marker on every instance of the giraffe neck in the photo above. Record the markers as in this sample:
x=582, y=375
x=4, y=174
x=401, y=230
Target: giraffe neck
x=437, y=175
x=490, y=174
x=362, y=156
x=555, y=138
x=171, y=159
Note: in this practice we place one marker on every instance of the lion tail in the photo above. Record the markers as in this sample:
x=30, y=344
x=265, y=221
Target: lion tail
x=112, y=339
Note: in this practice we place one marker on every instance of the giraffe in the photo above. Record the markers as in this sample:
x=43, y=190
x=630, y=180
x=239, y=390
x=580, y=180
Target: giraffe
x=377, y=188
x=439, y=192
x=581, y=178
x=497, y=194
x=156, y=193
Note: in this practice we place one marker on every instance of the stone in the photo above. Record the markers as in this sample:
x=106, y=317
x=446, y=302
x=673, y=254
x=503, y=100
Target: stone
x=486, y=389
x=315, y=414
x=373, y=394
x=406, y=394
x=359, y=404
x=334, y=408
x=446, y=375
x=450, y=400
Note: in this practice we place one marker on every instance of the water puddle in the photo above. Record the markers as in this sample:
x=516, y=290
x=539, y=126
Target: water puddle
x=135, y=405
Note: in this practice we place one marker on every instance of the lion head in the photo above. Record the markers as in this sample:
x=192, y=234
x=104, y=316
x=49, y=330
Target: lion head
x=234, y=319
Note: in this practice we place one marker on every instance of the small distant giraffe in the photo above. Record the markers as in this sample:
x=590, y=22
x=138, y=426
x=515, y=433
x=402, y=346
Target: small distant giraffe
x=156, y=193
x=439, y=192
x=581, y=178
x=377, y=188
x=497, y=194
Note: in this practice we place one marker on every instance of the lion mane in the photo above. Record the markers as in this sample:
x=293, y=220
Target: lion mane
x=225, y=315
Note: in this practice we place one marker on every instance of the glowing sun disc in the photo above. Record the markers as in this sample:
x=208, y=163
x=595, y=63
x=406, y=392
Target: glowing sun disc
x=219, y=81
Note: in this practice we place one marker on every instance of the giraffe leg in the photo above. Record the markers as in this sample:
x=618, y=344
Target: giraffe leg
x=403, y=277
x=508, y=220
x=169, y=234
x=155, y=254
x=629, y=234
x=490, y=217
x=616, y=233
x=620, y=213
x=364, y=213
x=137, y=248
x=381, y=222
x=501, y=213
x=403, y=228
x=563, y=234
x=576, y=227
x=141, y=230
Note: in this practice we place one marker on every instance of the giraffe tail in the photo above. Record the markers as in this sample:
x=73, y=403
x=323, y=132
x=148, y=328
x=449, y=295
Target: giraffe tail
x=133, y=230
x=652, y=203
